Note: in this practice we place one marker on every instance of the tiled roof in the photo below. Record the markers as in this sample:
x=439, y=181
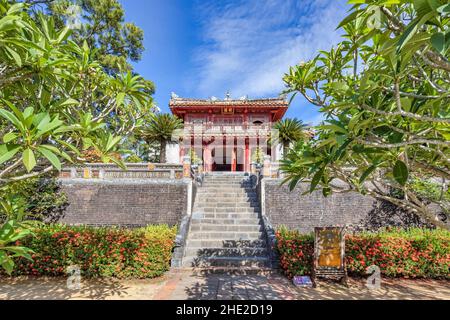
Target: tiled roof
x=242, y=102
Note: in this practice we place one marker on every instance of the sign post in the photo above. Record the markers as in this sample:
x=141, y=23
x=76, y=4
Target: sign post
x=329, y=254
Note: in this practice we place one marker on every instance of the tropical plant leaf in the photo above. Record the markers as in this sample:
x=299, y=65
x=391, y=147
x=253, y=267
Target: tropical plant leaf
x=28, y=159
x=400, y=172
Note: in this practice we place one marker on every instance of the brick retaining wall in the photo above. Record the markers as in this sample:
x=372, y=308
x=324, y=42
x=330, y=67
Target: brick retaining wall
x=304, y=212
x=125, y=202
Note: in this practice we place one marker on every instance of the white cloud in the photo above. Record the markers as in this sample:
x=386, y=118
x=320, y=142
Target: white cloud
x=249, y=45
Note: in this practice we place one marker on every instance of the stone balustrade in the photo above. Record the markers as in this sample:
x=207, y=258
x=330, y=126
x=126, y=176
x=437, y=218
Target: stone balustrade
x=133, y=171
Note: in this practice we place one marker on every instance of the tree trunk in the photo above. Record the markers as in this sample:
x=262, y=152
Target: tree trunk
x=285, y=149
x=162, y=154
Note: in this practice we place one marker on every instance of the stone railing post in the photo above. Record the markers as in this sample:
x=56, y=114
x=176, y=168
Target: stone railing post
x=172, y=174
x=276, y=168
x=267, y=169
x=73, y=173
x=186, y=166
x=87, y=173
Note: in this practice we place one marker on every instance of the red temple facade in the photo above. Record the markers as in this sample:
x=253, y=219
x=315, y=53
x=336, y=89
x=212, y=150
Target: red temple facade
x=226, y=135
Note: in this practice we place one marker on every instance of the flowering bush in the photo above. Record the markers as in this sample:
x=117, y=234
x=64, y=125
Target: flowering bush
x=105, y=252
x=398, y=253
x=296, y=252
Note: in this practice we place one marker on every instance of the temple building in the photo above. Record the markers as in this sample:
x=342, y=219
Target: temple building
x=228, y=134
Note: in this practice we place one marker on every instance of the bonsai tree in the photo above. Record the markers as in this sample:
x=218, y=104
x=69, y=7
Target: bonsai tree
x=258, y=156
x=290, y=131
x=160, y=129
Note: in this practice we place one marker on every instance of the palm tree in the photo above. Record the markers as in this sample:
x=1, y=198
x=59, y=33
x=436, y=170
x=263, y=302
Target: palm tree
x=160, y=129
x=290, y=130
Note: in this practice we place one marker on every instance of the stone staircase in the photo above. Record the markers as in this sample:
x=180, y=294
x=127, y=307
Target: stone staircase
x=226, y=230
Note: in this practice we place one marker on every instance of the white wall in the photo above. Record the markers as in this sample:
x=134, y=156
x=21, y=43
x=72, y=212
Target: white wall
x=173, y=153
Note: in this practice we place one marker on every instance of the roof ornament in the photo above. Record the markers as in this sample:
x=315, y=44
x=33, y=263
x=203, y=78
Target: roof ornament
x=213, y=98
x=227, y=96
x=283, y=95
x=174, y=96
x=243, y=98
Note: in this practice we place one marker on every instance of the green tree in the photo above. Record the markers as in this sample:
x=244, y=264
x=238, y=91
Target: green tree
x=55, y=101
x=160, y=128
x=385, y=94
x=290, y=131
x=101, y=23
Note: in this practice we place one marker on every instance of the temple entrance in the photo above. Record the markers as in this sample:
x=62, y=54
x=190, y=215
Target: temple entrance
x=227, y=158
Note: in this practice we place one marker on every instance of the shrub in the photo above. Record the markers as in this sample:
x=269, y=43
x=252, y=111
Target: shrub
x=99, y=252
x=296, y=252
x=399, y=253
x=133, y=158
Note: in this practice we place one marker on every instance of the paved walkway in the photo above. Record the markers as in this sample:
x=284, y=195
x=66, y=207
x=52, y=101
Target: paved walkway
x=198, y=285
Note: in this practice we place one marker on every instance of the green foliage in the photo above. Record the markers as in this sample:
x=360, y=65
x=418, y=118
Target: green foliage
x=430, y=190
x=415, y=253
x=160, y=128
x=10, y=232
x=57, y=101
x=46, y=128
x=258, y=156
x=133, y=159
x=102, y=26
x=35, y=199
x=195, y=159
x=384, y=92
x=99, y=252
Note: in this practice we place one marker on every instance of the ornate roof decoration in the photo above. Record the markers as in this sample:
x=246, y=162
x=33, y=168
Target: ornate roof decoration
x=176, y=101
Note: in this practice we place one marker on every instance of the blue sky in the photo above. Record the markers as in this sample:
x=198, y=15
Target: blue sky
x=204, y=48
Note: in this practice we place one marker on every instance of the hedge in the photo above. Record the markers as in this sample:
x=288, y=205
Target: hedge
x=99, y=252
x=412, y=253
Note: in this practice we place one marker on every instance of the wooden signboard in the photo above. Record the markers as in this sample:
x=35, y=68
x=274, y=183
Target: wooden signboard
x=228, y=110
x=329, y=254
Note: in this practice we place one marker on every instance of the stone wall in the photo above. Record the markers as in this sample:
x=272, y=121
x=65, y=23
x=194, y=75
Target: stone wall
x=125, y=202
x=304, y=212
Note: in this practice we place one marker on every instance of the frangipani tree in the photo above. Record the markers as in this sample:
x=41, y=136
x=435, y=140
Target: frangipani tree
x=385, y=94
x=55, y=102
x=55, y=99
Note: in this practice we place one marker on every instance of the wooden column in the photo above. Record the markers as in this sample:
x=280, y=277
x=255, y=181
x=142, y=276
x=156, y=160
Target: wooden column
x=247, y=159
x=233, y=156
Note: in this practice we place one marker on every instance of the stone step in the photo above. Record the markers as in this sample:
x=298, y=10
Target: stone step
x=226, y=174
x=228, y=204
x=226, y=262
x=225, y=235
x=226, y=198
x=202, y=201
x=251, y=221
x=239, y=194
x=224, y=215
x=224, y=190
x=228, y=228
x=235, y=271
x=213, y=195
x=226, y=252
x=237, y=178
x=215, y=243
x=232, y=183
x=237, y=184
x=226, y=209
